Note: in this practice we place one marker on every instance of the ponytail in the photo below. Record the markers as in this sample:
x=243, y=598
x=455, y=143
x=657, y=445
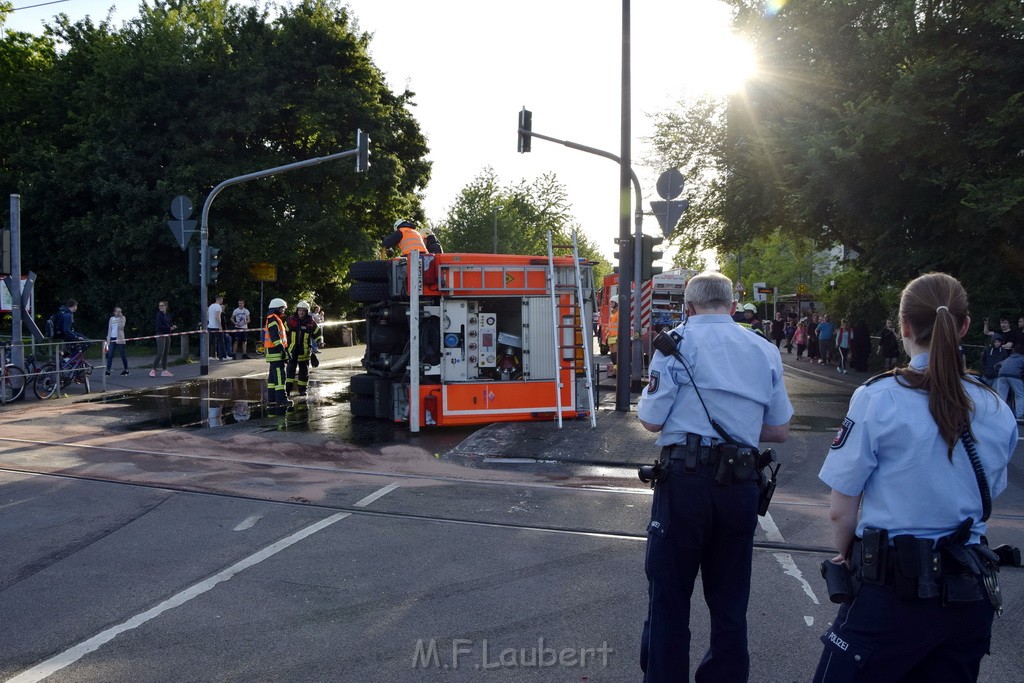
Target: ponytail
x=934, y=306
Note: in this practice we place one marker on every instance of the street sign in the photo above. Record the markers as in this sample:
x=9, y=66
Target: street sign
x=670, y=184
x=802, y=288
x=263, y=272
x=181, y=227
x=668, y=213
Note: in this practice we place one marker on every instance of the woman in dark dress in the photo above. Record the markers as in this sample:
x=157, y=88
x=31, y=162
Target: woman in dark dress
x=860, y=347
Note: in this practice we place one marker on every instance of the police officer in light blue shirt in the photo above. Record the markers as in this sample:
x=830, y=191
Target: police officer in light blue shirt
x=696, y=523
x=900, y=458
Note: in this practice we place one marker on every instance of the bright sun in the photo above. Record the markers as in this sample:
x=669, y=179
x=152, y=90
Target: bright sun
x=724, y=64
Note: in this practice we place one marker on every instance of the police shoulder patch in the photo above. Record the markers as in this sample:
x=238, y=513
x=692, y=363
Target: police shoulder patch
x=842, y=434
x=652, y=383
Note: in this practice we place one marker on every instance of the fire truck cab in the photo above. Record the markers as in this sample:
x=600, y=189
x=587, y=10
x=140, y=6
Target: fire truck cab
x=457, y=339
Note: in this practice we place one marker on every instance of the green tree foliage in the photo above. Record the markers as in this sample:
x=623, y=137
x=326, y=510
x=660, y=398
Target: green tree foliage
x=894, y=127
x=524, y=212
x=779, y=261
x=189, y=94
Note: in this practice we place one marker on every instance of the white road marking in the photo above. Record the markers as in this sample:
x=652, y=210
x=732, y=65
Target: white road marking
x=789, y=567
x=72, y=655
x=785, y=560
x=771, y=530
x=248, y=523
x=376, y=494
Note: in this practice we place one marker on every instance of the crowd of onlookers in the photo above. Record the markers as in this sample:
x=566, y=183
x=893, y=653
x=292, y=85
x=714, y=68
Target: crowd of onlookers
x=1002, y=362
x=824, y=340
x=229, y=332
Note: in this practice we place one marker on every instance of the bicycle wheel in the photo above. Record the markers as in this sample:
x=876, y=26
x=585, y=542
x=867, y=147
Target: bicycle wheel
x=46, y=382
x=14, y=383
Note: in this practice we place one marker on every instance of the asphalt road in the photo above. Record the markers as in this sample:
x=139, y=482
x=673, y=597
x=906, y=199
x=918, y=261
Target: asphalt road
x=274, y=550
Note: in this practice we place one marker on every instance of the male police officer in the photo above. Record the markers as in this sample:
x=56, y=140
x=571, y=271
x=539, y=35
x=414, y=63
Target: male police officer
x=703, y=516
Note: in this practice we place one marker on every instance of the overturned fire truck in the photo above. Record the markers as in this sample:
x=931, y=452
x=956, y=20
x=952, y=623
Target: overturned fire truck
x=459, y=339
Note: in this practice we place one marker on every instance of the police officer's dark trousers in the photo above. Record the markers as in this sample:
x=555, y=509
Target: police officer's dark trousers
x=698, y=525
x=879, y=637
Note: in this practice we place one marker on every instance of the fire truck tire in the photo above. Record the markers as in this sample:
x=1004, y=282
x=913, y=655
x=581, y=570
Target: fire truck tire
x=370, y=271
x=362, y=385
x=369, y=292
x=363, y=406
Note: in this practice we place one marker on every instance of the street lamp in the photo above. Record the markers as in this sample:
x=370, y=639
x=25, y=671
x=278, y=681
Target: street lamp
x=496, y=210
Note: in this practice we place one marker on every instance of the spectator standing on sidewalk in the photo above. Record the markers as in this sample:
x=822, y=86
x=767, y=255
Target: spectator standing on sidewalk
x=789, y=331
x=992, y=356
x=115, y=339
x=813, y=351
x=860, y=347
x=1009, y=380
x=1009, y=335
x=800, y=339
x=215, y=328
x=826, y=333
x=778, y=330
x=164, y=325
x=889, y=346
x=240, y=336
x=844, y=337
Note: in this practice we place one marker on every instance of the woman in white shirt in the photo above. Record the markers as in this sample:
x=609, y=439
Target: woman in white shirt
x=115, y=339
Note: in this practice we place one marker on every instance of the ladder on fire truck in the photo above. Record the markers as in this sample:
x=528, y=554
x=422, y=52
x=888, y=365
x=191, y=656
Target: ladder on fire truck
x=581, y=336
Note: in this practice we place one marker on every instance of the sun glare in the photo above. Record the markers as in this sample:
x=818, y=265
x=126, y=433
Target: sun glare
x=724, y=66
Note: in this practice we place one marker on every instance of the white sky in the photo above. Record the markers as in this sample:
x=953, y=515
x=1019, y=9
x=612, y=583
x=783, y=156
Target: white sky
x=474, y=64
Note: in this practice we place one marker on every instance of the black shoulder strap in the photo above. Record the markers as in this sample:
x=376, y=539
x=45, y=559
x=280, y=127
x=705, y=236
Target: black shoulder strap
x=979, y=473
x=890, y=373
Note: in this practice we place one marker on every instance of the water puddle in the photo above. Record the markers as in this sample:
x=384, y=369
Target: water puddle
x=214, y=403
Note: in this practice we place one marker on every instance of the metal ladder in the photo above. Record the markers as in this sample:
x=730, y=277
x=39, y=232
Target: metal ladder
x=584, y=329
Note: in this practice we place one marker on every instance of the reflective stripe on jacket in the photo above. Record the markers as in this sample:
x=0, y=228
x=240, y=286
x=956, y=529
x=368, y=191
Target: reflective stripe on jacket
x=411, y=241
x=275, y=339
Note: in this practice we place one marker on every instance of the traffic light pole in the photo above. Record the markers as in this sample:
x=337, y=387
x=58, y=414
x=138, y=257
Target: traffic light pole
x=204, y=235
x=629, y=269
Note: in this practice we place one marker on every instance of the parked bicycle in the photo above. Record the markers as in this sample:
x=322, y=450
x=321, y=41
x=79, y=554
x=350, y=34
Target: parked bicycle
x=14, y=378
x=74, y=369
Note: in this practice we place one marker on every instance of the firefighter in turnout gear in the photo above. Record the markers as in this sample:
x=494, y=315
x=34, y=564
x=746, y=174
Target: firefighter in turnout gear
x=275, y=345
x=302, y=330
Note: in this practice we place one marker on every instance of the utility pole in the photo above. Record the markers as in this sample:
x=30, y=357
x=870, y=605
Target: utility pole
x=362, y=154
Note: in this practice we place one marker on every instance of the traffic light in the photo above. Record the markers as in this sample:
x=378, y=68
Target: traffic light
x=626, y=244
x=212, y=264
x=362, y=151
x=525, y=128
x=648, y=256
x=193, y=264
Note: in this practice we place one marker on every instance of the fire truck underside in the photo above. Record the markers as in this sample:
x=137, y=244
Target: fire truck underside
x=488, y=341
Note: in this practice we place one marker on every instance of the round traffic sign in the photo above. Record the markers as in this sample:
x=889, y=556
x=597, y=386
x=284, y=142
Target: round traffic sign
x=670, y=184
x=181, y=207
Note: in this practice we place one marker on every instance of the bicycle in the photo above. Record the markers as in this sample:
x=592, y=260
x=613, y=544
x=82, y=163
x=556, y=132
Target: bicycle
x=73, y=369
x=13, y=383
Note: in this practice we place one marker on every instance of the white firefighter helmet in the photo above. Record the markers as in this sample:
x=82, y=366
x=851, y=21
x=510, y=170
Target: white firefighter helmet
x=302, y=304
x=277, y=303
x=750, y=307
x=404, y=223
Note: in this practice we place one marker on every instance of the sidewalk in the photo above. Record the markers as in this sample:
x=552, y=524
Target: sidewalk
x=139, y=378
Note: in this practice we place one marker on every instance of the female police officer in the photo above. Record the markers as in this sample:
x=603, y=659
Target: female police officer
x=901, y=456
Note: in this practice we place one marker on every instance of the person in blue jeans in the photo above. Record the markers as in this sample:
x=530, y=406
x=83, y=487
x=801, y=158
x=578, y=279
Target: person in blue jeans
x=115, y=339
x=1009, y=380
x=826, y=331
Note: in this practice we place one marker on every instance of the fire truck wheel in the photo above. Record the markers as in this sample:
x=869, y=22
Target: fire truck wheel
x=370, y=271
x=369, y=292
x=363, y=406
x=362, y=385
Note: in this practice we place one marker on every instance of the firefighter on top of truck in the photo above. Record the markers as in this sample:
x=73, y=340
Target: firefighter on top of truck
x=406, y=237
